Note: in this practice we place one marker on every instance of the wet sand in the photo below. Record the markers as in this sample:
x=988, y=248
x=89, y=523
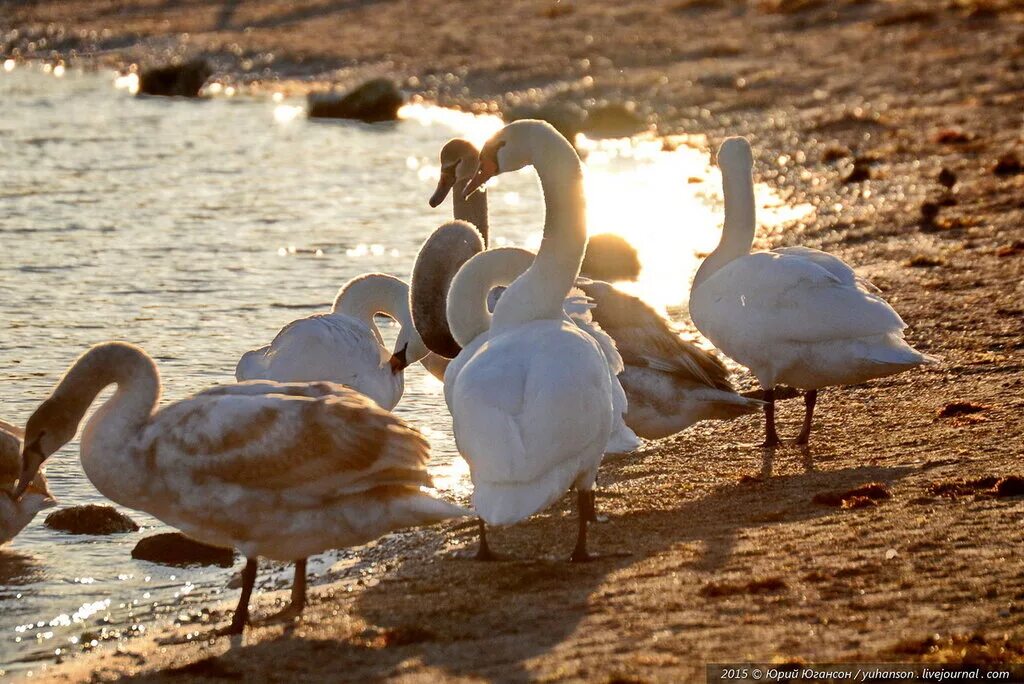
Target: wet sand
x=730, y=557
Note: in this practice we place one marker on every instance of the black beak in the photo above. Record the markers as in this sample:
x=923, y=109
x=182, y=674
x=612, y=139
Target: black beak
x=398, y=360
x=444, y=186
x=31, y=460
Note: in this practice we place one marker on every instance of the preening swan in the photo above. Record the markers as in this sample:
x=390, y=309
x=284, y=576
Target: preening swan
x=670, y=383
x=275, y=470
x=793, y=316
x=345, y=346
x=15, y=514
x=532, y=404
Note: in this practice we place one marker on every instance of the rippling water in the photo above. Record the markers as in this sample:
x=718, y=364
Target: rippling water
x=198, y=229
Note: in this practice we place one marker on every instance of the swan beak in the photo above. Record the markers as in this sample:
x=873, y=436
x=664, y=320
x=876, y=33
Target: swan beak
x=398, y=361
x=487, y=170
x=444, y=186
x=31, y=460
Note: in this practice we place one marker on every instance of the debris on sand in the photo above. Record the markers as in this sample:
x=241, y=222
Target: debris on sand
x=174, y=548
x=990, y=486
x=397, y=636
x=859, y=497
x=857, y=172
x=90, y=519
x=378, y=99
x=1008, y=165
x=1013, y=249
x=923, y=261
x=960, y=408
x=212, y=667
x=761, y=585
x=835, y=153
x=929, y=212
x=175, y=80
x=962, y=648
x=952, y=136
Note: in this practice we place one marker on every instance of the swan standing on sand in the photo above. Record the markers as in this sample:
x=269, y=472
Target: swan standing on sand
x=345, y=346
x=277, y=470
x=793, y=316
x=532, y=404
x=14, y=514
x=670, y=383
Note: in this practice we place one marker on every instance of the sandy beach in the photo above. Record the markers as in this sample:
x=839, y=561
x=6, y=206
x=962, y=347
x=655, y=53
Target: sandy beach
x=901, y=122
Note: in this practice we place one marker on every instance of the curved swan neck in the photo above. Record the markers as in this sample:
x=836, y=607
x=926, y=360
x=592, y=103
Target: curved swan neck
x=472, y=208
x=467, y=311
x=113, y=363
x=740, y=221
x=372, y=294
x=541, y=291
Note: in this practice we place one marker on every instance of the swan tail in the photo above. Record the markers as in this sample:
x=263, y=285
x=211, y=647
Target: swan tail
x=419, y=508
x=729, y=405
x=252, y=365
x=897, y=353
x=623, y=440
x=506, y=503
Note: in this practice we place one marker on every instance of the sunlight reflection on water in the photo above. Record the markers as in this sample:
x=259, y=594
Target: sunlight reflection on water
x=198, y=229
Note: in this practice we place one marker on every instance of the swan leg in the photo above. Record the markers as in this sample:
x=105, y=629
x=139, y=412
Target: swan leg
x=810, y=399
x=594, y=517
x=483, y=552
x=241, y=616
x=771, y=437
x=585, y=513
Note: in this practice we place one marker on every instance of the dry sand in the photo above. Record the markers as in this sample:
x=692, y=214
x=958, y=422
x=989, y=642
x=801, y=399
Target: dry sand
x=730, y=556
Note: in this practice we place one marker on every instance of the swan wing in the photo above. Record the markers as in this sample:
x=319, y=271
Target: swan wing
x=645, y=338
x=310, y=441
x=833, y=264
x=326, y=347
x=785, y=297
x=521, y=413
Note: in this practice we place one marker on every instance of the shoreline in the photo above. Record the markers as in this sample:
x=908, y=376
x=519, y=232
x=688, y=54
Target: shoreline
x=731, y=559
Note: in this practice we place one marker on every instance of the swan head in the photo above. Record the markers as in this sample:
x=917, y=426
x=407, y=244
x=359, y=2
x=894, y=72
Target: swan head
x=409, y=348
x=735, y=154
x=53, y=425
x=458, y=162
x=515, y=146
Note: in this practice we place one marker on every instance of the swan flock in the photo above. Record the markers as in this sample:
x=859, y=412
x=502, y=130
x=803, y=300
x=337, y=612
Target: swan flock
x=544, y=372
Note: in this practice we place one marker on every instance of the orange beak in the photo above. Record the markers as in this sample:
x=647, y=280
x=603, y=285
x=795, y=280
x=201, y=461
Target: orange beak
x=484, y=172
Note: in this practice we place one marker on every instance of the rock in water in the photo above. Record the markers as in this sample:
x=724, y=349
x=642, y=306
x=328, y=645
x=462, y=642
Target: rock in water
x=91, y=519
x=610, y=257
x=614, y=121
x=175, y=80
x=376, y=100
x=174, y=548
x=566, y=117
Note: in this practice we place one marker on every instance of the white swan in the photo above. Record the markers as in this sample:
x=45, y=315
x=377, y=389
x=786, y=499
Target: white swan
x=670, y=383
x=14, y=514
x=345, y=346
x=276, y=470
x=532, y=403
x=793, y=316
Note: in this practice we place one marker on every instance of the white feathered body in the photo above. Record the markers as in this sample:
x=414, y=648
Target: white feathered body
x=801, y=317
x=332, y=347
x=282, y=471
x=532, y=416
x=16, y=515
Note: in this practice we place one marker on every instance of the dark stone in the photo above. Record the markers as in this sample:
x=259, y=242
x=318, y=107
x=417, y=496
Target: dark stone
x=857, y=172
x=90, y=519
x=947, y=177
x=610, y=257
x=566, y=117
x=378, y=99
x=613, y=121
x=174, y=548
x=175, y=80
x=1008, y=165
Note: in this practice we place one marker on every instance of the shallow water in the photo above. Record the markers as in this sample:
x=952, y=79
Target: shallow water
x=196, y=230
